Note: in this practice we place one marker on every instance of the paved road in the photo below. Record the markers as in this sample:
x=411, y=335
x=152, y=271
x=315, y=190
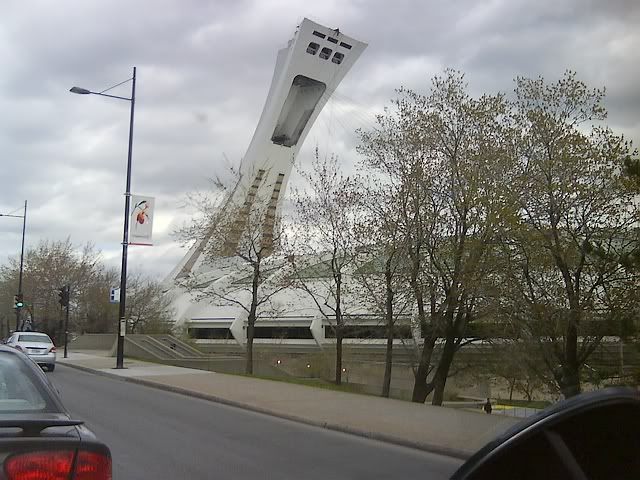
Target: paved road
x=155, y=434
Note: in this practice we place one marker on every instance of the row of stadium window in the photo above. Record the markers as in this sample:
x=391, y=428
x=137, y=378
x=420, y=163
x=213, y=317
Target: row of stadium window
x=325, y=53
x=304, y=333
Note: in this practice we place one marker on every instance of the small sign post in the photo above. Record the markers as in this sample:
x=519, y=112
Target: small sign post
x=114, y=295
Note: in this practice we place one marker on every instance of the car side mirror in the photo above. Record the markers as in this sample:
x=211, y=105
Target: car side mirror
x=594, y=435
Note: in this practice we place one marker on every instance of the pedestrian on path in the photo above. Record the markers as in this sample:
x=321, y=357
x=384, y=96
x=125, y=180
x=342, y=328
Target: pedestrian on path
x=487, y=407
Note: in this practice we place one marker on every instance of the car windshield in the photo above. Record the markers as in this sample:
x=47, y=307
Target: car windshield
x=415, y=220
x=34, y=338
x=20, y=388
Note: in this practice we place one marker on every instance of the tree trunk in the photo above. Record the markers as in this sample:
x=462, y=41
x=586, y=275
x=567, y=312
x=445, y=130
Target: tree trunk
x=529, y=393
x=251, y=319
x=570, y=380
x=339, y=324
x=388, y=357
x=442, y=372
x=421, y=389
x=250, y=331
x=339, y=356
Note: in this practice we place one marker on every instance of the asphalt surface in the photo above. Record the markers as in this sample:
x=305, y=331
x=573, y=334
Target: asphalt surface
x=154, y=434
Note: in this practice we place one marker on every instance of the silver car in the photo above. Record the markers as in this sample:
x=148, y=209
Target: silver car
x=37, y=345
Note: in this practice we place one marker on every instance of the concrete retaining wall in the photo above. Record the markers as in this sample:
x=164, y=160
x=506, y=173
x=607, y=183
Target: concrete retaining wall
x=94, y=341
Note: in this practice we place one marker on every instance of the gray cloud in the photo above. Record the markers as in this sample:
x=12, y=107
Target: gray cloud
x=203, y=73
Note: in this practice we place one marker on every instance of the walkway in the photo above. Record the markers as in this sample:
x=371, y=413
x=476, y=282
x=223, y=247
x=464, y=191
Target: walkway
x=442, y=430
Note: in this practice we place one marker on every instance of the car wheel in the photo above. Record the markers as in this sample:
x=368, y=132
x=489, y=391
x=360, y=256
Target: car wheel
x=51, y=367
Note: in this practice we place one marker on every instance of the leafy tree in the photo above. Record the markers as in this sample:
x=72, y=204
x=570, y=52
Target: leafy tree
x=563, y=279
x=448, y=156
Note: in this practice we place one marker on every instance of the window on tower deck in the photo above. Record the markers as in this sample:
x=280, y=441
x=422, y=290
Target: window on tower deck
x=313, y=48
x=337, y=58
x=325, y=53
x=304, y=95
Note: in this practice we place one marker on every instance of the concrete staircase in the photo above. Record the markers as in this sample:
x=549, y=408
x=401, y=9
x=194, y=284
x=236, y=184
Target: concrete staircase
x=170, y=350
x=160, y=347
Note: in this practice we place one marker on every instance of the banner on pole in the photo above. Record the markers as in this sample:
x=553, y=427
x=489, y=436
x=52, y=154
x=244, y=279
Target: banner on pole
x=141, y=220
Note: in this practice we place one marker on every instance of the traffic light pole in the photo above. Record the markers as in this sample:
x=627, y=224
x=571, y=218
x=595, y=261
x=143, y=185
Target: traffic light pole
x=24, y=227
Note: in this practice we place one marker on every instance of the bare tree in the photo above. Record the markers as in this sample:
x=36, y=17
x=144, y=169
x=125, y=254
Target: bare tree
x=148, y=308
x=394, y=150
x=47, y=267
x=381, y=275
x=92, y=311
x=244, y=237
x=325, y=239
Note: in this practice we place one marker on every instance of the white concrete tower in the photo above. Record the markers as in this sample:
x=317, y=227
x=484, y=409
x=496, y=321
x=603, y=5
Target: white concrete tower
x=306, y=73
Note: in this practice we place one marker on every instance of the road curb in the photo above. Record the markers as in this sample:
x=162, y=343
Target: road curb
x=424, y=446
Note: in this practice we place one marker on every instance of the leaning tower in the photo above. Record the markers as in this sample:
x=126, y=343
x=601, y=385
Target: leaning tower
x=307, y=72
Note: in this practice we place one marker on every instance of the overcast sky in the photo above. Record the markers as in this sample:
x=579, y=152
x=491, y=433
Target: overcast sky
x=204, y=69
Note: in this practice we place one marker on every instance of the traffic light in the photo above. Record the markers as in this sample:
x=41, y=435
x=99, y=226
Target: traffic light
x=63, y=293
x=18, y=300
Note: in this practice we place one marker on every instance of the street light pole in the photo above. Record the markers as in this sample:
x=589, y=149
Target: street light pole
x=24, y=227
x=19, y=293
x=67, y=295
x=122, y=325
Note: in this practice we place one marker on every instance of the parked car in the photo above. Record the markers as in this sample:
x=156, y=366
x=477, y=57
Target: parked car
x=38, y=437
x=37, y=345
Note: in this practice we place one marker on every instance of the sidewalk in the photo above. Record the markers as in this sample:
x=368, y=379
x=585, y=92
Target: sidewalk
x=449, y=431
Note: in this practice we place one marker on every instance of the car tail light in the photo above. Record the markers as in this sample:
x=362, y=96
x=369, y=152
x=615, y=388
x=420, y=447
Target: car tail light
x=39, y=465
x=92, y=466
x=58, y=465
x=53, y=350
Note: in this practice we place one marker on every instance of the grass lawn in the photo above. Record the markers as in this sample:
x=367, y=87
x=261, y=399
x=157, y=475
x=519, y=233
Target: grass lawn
x=311, y=382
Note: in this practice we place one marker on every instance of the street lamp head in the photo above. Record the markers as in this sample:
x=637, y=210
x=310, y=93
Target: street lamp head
x=81, y=91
